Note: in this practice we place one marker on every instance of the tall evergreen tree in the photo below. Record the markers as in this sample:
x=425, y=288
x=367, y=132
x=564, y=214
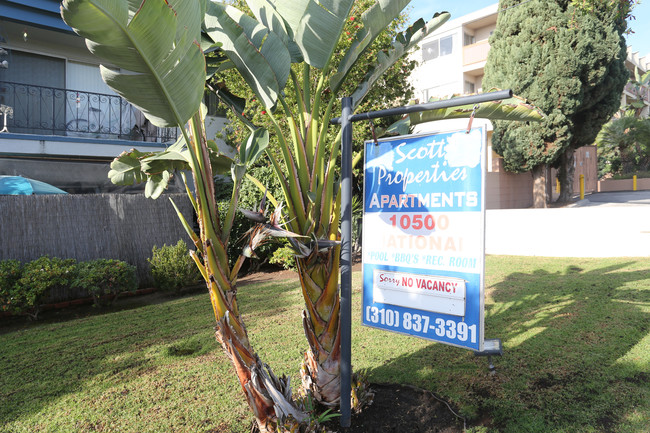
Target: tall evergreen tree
x=569, y=61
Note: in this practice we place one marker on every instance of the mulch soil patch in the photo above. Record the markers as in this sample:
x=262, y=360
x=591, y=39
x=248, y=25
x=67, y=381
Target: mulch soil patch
x=402, y=408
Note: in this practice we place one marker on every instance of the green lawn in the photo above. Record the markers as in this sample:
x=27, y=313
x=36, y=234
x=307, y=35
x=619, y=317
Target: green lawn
x=576, y=334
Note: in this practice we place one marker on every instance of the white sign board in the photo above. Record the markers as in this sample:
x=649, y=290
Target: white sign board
x=437, y=294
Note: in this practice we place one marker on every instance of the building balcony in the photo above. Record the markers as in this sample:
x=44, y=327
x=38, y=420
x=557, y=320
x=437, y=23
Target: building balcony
x=475, y=54
x=72, y=113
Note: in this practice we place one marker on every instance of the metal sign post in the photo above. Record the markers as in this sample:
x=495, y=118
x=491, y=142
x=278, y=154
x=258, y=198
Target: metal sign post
x=346, y=120
x=346, y=261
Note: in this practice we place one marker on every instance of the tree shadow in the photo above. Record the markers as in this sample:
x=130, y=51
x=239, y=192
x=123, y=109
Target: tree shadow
x=574, y=357
x=42, y=362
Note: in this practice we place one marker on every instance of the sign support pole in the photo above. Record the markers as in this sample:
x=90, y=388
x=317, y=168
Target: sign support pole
x=346, y=261
x=346, y=120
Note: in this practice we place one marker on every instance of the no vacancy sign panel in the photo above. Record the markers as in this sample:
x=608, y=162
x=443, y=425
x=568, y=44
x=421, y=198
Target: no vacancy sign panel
x=424, y=236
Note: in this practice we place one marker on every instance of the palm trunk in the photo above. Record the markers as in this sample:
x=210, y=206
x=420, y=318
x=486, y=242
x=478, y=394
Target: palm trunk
x=268, y=396
x=321, y=366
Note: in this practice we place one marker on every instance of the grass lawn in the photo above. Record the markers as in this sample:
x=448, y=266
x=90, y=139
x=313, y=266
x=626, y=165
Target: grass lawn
x=576, y=334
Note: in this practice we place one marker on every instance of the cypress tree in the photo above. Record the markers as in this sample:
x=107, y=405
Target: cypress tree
x=568, y=60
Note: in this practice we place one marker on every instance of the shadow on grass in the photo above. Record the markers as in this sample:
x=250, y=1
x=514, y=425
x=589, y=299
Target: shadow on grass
x=42, y=362
x=576, y=353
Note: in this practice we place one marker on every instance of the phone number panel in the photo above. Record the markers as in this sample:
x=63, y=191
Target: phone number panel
x=420, y=324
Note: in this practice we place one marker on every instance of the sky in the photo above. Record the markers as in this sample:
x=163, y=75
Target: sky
x=639, y=40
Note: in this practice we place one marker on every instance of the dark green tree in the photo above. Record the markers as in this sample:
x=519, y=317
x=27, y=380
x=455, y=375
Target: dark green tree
x=624, y=146
x=567, y=58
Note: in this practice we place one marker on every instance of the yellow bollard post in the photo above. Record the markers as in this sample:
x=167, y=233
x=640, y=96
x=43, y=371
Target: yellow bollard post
x=582, y=187
x=634, y=183
x=557, y=185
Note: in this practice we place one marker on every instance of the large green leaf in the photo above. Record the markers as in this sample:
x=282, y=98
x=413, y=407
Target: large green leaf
x=316, y=26
x=404, y=42
x=162, y=69
x=254, y=147
x=260, y=56
x=267, y=14
x=320, y=29
x=166, y=161
x=375, y=20
x=514, y=108
x=126, y=169
x=157, y=184
x=220, y=163
x=157, y=168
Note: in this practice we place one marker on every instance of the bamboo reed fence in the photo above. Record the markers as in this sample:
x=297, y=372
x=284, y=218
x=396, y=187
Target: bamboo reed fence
x=90, y=226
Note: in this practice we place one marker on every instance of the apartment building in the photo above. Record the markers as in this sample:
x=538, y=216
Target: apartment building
x=60, y=123
x=452, y=61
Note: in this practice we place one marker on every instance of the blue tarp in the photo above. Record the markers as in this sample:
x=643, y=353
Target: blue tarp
x=18, y=185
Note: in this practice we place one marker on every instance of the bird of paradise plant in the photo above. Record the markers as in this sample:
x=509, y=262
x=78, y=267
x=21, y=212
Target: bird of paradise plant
x=290, y=45
x=162, y=72
x=155, y=43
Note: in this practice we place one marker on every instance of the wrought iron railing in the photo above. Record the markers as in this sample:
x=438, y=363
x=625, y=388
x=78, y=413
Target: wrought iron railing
x=64, y=112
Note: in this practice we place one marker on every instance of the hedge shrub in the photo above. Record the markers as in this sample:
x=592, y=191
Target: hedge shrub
x=10, y=273
x=38, y=278
x=172, y=268
x=284, y=257
x=24, y=288
x=105, y=279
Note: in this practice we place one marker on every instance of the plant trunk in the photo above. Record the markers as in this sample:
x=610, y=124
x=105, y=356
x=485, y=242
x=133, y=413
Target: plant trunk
x=268, y=396
x=565, y=175
x=321, y=369
x=540, y=186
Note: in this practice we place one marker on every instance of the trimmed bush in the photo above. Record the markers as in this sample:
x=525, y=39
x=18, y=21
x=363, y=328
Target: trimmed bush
x=284, y=257
x=105, y=279
x=10, y=273
x=172, y=268
x=38, y=278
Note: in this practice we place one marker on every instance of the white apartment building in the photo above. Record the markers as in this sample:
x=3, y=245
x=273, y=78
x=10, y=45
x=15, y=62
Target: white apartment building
x=451, y=62
x=452, y=58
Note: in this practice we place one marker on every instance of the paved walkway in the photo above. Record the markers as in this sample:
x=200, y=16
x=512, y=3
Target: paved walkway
x=602, y=225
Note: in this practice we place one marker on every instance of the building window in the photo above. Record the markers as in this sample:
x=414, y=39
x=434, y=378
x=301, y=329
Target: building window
x=31, y=85
x=468, y=39
x=470, y=87
x=34, y=69
x=437, y=48
x=446, y=45
x=430, y=50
